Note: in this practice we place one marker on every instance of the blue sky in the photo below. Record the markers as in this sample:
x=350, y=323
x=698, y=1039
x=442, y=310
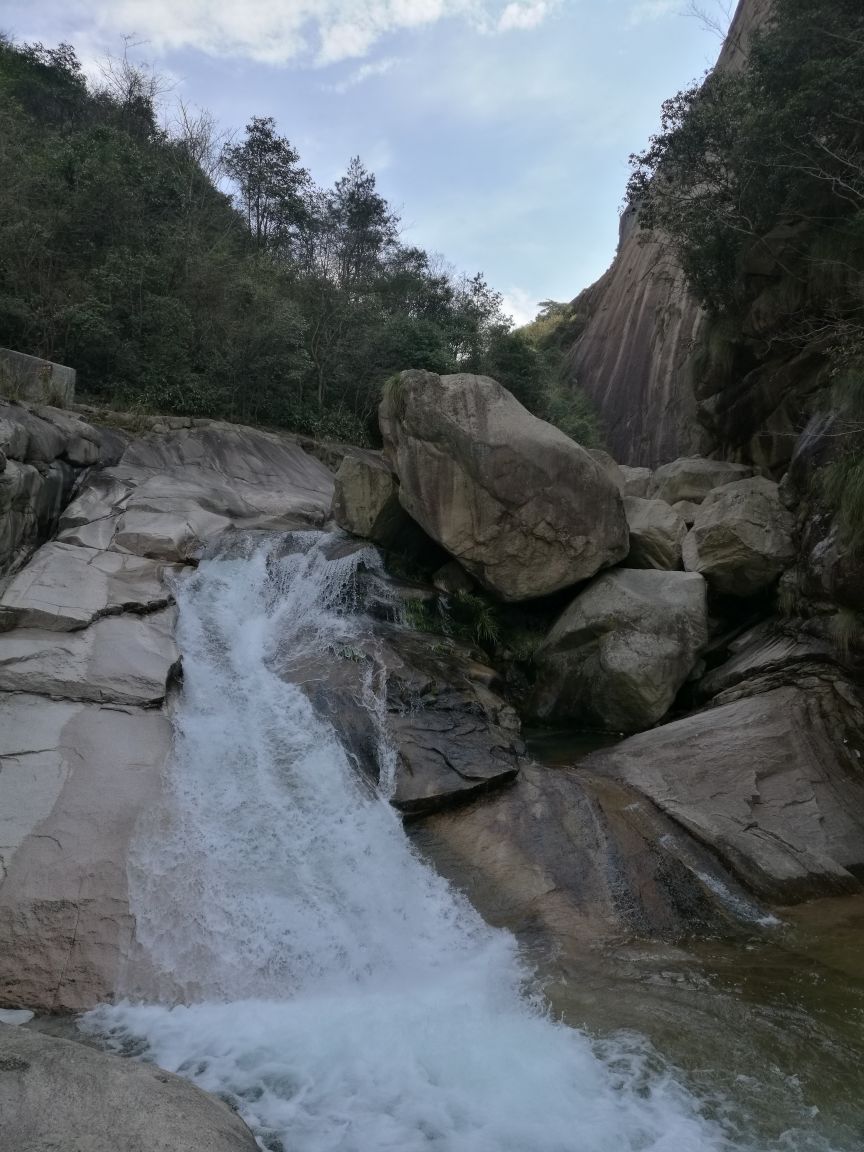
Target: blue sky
x=500, y=128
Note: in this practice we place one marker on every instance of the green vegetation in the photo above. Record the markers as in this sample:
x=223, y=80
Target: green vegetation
x=553, y=331
x=757, y=178
x=180, y=270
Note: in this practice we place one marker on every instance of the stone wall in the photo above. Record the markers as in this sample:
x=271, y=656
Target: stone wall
x=37, y=380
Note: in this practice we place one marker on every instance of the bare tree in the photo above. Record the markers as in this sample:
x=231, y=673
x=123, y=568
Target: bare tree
x=714, y=17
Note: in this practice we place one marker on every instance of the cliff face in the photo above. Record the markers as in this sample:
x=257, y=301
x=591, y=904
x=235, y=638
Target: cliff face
x=636, y=356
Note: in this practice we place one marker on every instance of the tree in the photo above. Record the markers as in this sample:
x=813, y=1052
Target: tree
x=270, y=184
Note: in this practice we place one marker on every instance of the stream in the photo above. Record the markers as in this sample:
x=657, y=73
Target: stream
x=303, y=960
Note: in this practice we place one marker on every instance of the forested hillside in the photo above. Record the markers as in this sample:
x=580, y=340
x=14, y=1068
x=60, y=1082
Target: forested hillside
x=180, y=270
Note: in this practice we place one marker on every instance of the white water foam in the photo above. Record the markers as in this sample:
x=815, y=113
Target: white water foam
x=337, y=991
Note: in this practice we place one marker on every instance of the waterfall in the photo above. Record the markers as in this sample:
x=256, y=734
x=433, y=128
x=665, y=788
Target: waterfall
x=309, y=966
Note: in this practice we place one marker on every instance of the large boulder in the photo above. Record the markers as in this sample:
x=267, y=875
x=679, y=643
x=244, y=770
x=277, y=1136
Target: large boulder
x=524, y=509
x=366, y=499
x=619, y=654
x=693, y=477
x=656, y=534
x=61, y=1094
x=741, y=540
x=773, y=783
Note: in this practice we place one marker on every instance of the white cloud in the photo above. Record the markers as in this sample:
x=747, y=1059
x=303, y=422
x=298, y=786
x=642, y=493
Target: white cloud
x=521, y=305
x=281, y=31
x=523, y=16
x=647, y=11
x=363, y=73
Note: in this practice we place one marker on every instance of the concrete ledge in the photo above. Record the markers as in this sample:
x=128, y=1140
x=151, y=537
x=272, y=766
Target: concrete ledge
x=40, y=381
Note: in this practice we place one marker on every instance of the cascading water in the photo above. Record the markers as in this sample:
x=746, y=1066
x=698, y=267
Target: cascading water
x=336, y=990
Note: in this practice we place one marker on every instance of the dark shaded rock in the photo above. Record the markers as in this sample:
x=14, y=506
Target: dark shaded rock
x=448, y=735
x=568, y=859
x=366, y=499
x=619, y=654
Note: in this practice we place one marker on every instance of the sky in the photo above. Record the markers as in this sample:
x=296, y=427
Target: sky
x=500, y=129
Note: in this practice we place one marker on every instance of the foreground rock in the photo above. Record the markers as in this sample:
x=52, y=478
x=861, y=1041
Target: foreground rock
x=57, y=1094
x=366, y=500
x=619, y=654
x=772, y=783
x=693, y=477
x=121, y=659
x=518, y=504
x=741, y=539
x=656, y=534
x=64, y=588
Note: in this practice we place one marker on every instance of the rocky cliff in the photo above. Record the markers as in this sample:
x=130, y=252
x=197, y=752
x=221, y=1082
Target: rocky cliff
x=637, y=357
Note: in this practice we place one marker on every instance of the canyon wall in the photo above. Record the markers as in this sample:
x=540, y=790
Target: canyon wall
x=636, y=356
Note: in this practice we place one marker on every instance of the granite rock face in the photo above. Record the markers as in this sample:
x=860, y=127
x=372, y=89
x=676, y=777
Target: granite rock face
x=523, y=509
x=635, y=354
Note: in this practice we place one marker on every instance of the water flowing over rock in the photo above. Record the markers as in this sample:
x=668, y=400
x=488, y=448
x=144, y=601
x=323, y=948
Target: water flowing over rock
x=276, y=890
x=86, y=657
x=772, y=783
x=524, y=509
x=56, y=1094
x=656, y=534
x=619, y=654
x=741, y=539
x=569, y=859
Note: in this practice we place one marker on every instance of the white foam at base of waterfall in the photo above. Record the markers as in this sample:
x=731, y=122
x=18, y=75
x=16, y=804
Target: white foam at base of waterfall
x=337, y=990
